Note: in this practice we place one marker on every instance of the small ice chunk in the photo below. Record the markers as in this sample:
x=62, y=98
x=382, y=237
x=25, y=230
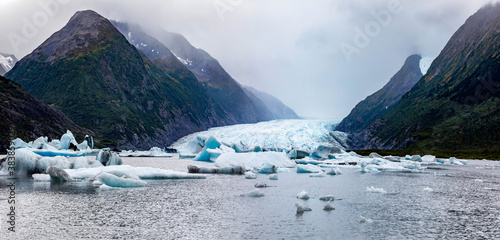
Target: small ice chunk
x=261, y=185
x=41, y=177
x=309, y=168
x=108, y=158
x=428, y=189
x=334, y=171
x=301, y=208
x=273, y=176
x=328, y=207
x=66, y=140
x=250, y=175
x=268, y=168
x=303, y=195
x=375, y=190
x=115, y=181
x=478, y=180
x=253, y=193
x=327, y=198
x=416, y=158
x=365, y=220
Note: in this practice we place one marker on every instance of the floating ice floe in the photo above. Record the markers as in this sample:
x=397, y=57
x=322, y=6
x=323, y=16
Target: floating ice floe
x=273, y=176
x=254, y=193
x=301, y=208
x=254, y=160
x=318, y=175
x=365, y=220
x=375, y=190
x=324, y=152
x=308, y=168
x=108, y=158
x=61, y=162
x=112, y=180
x=303, y=195
x=268, y=168
x=250, y=175
x=428, y=189
x=306, y=161
x=328, y=207
x=140, y=172
x=83, y=162
x=334, y=171
x=327, y=198
x=215, y=170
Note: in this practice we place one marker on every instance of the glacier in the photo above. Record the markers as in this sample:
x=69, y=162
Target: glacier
x=273, y=135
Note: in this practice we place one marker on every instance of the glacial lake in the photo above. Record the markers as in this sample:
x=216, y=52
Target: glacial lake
x=464, y=204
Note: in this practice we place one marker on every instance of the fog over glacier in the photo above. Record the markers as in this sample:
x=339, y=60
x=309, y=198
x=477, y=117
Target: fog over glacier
x=291, y=49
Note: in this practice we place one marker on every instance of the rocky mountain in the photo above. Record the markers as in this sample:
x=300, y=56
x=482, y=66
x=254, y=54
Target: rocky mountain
x=221, y=86
x=456, y=105
x=277, y=108
x=26, y=117
x=92, y=73
x=7, y=62
x=376, y=105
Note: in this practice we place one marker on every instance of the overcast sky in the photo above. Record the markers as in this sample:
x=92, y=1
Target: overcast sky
x=309, y=54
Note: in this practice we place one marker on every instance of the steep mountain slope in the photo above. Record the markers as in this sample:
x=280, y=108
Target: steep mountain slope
x=277, y=108
x=238, y=107
x=26, y=117
x=376, y=105
x=456, y=105
x=92, y=73
x=7, y=62
x=220, y=84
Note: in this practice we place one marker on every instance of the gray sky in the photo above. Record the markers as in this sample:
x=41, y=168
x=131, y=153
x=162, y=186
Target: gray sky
x=293, y=49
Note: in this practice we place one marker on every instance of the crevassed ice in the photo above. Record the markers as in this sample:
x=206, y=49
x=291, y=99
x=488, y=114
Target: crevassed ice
x=277, y=134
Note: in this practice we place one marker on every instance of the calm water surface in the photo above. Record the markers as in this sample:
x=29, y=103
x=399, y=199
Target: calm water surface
x=465, y=204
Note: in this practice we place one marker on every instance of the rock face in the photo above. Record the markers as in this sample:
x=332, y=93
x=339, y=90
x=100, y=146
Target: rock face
x=364, y=117
x=456, y=105
x=277, y=108
x=92, y=73
x=7, y=62
x=26, y=117
x=221, y=86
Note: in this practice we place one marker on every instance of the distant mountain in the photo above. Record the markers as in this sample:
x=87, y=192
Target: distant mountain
x=7, y=62
x=221, y=86
x=26, y=117
x=277, y=108
x=376, y=105
x=92, y=73
x=456, y=105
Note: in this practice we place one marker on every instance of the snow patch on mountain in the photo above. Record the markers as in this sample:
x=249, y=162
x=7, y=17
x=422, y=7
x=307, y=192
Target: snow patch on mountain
x=425, y=64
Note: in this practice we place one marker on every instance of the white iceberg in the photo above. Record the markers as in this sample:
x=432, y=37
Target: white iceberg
x=66, y=140
x=115, y=181
x=309, y=168
x=375, y=190
x=334, y=171
x=268, y=168
x=301, y=208
x=254, y=193
x=273, y=177
x=108, y=158
x=25, y=161
x=250, y=175
x=428, y=189
x=41, y=177
x=303, y=195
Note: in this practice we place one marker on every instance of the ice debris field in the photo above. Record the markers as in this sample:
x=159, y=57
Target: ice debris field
x=245, y=152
